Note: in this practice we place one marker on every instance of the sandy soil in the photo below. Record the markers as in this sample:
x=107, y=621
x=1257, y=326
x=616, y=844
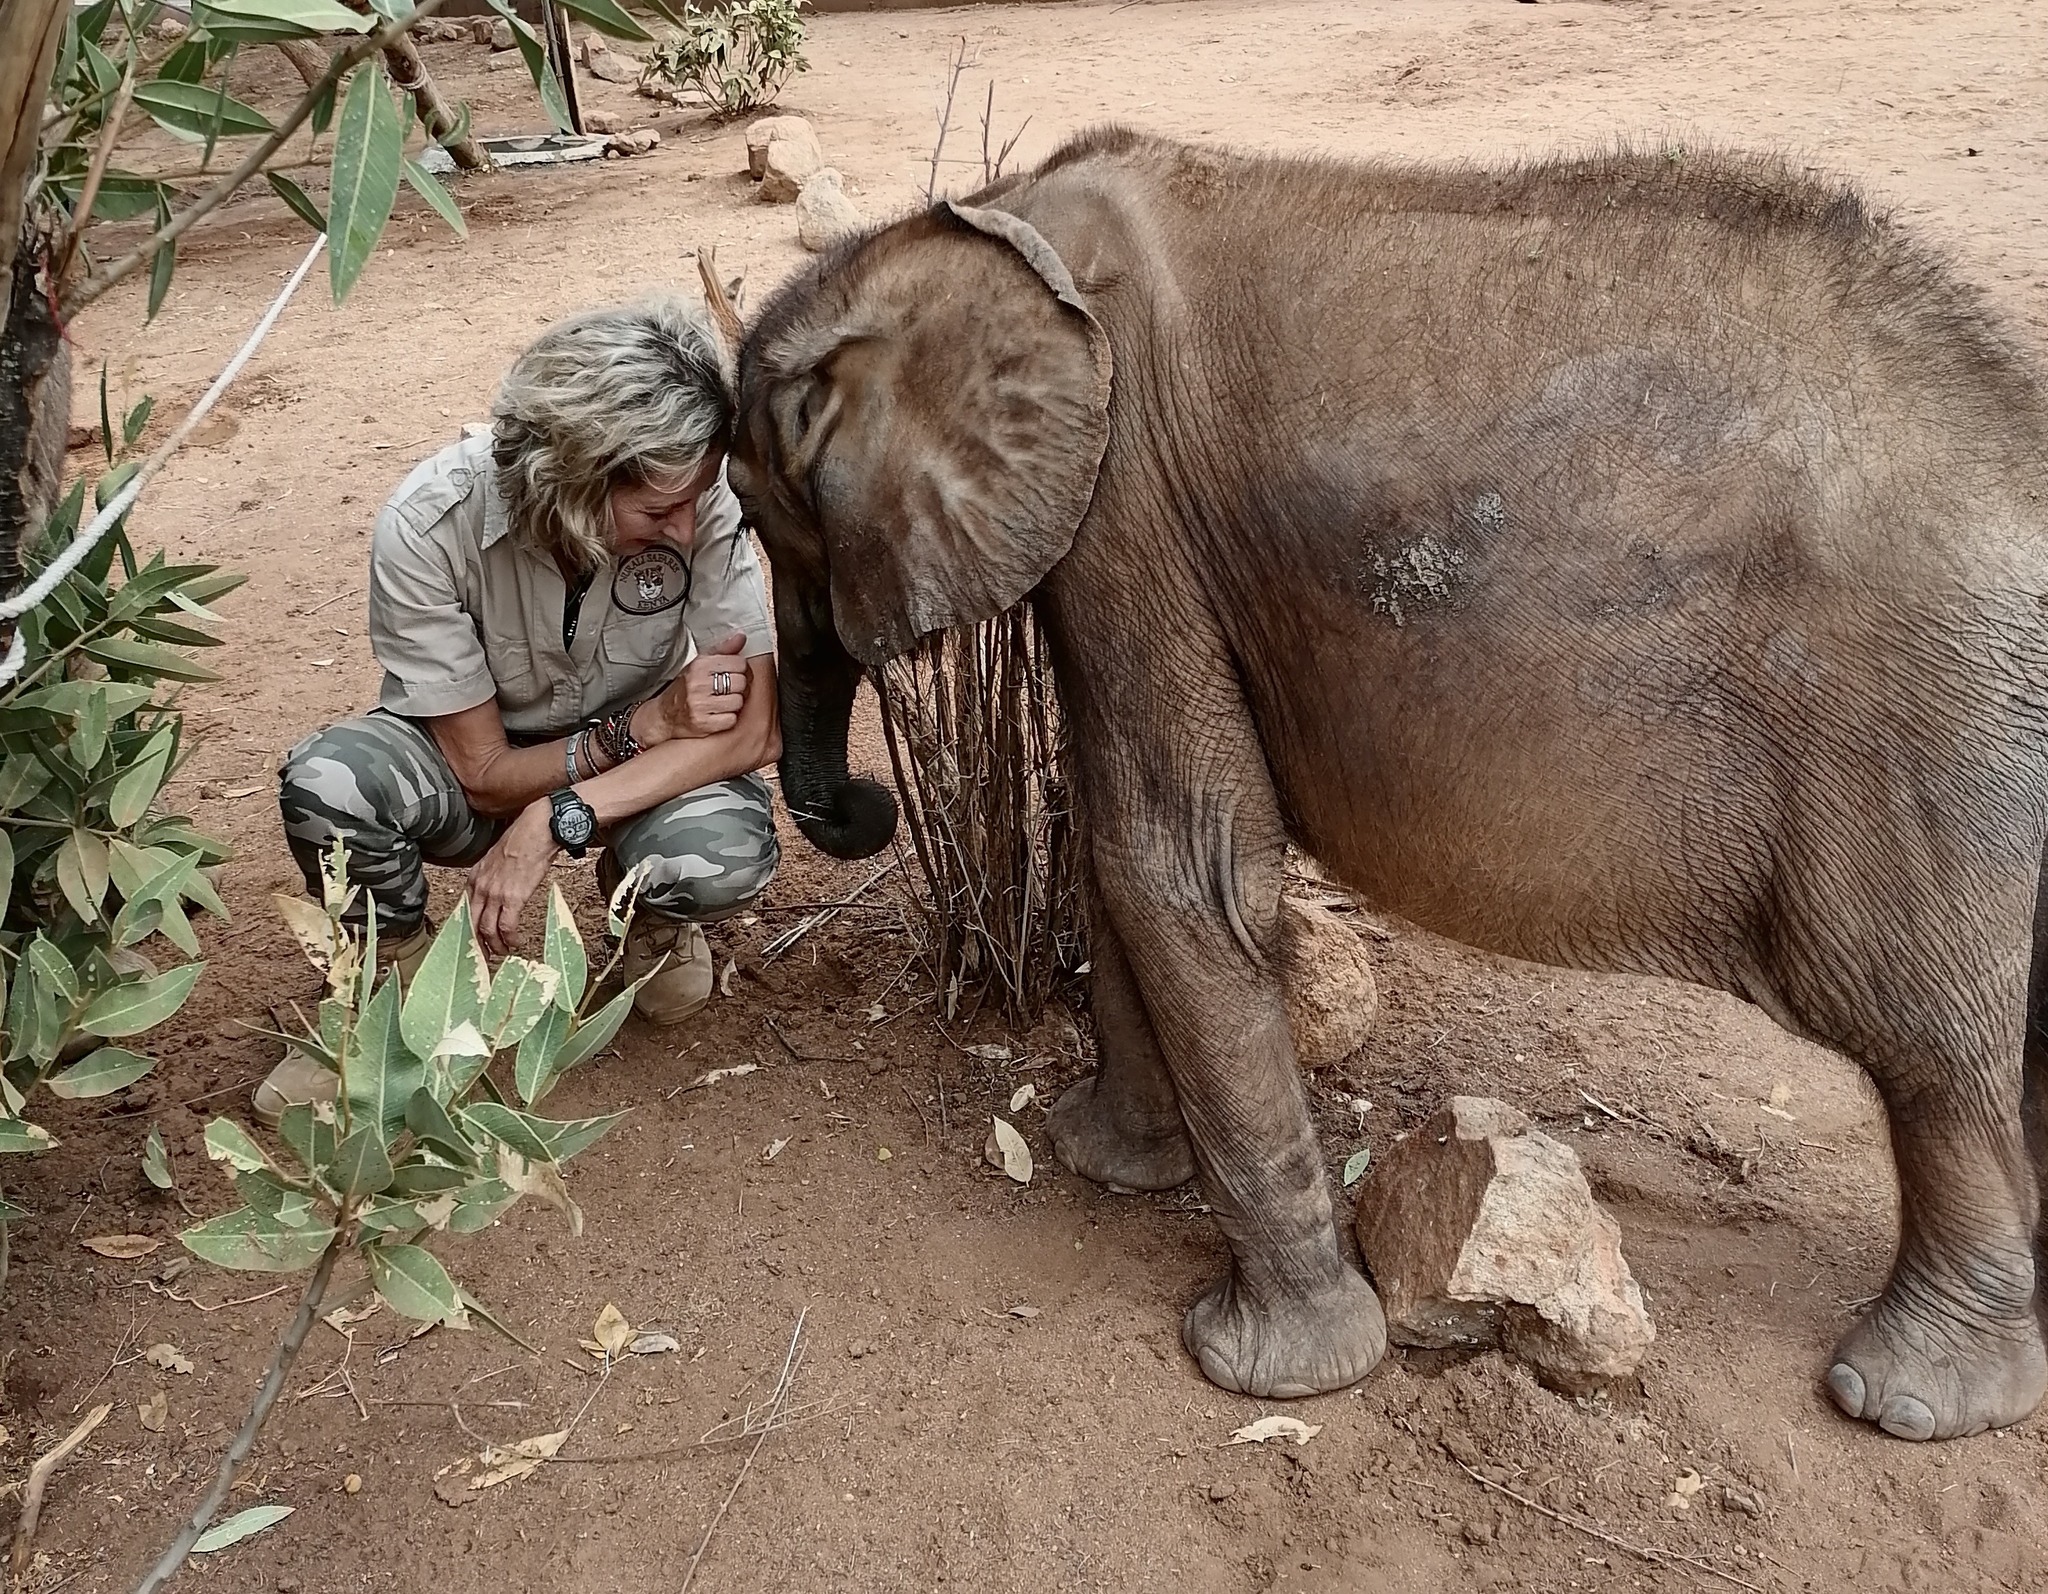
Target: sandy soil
x=963, y=1445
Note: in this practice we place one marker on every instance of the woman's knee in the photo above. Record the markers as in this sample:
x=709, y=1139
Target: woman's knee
x=706, y=855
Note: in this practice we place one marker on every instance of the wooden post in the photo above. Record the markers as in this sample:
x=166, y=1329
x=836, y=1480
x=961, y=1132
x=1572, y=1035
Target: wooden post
x=555, y=27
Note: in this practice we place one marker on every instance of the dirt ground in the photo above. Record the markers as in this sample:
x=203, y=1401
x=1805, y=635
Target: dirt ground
x=952, y=1443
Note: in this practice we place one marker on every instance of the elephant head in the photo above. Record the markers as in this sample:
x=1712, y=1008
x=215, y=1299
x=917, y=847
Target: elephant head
x=921, y=419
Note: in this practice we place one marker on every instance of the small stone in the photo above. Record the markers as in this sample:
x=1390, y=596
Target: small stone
x=637, y=142
x=500, y=37
x=169, y=28
x=81, y=437
x=770, y=128
x=1332, y=998
x=504, y=63
x=481, y=28
x=1222, y=1491
x=1481, y=1231
x=602, y=122
x=614, y=66
x=824, y=214
x=289, y=1584
x=593, y=46
x=353, y=1483
x=1741, y=1500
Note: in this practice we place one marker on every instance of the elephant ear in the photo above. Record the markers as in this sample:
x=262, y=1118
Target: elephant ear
x=953, y=430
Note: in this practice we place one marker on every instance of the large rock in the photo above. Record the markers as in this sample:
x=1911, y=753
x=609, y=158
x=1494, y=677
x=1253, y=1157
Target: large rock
x=770, y=128
x=824, y=214
x=1332, y=998
x=613, y=66
x=500, y=35
x=1481, y=1231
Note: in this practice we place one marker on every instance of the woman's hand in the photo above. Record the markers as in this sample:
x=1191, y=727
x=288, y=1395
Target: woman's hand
x=691, y=704
x=505, y=878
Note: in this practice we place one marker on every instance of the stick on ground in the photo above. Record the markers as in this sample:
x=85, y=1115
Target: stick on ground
x=782, y=1384
x=39, y=1480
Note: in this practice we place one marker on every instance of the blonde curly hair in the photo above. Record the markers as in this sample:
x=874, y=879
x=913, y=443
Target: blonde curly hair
x=605, y=398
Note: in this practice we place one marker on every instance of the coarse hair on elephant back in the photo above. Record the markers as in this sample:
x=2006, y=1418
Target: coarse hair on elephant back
x=608, y=397
x=922, y=416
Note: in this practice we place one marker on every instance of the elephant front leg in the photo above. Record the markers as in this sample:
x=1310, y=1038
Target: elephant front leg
x=1121, y=1126
x=1293, y=1317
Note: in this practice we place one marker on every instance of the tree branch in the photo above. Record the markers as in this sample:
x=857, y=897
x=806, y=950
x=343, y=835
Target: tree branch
x=85, y=292
x=110, y=133
x=273, y=1381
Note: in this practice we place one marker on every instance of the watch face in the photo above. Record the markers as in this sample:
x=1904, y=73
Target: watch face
x=652, y=580
x=575, y=824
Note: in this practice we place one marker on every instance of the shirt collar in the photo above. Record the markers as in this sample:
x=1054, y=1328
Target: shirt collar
x=477, y=449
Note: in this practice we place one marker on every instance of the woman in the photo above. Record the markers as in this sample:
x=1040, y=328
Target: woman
x=575, y=643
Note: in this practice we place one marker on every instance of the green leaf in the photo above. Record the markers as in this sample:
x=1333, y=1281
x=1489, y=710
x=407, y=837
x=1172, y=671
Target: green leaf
x=481, y=1205
x=414, y=1284
x=420, y=1178
x=448, y=991
x=161, y=264
x=369, y=141
x=361, y=1165
x=89, y=740
x=22, y=779
x=534, y=1068
x=256, y=1242
x=140, y=1004
x=383, y=1073
x=53, y=971
x=137, y=788
x=538, y=1139
x=190, y=111
x=151, y=658
x=101, y=1073
x=430, y=1123
x=309, y=1129
x=1355, y=1166
x=428, y=187
x=6, y=872
x=18, y=1135
x=607, y=17
x=521, y=993
x=156, y=1161
x=296, y=197
x=562, y=951
x=543, y=75
x=82, y=873
x=73, y=698
x=227, y=1141
x=304, y=17
x=240, y=1526
x=267, y=1193
x=593, y=1035
x=136, y=420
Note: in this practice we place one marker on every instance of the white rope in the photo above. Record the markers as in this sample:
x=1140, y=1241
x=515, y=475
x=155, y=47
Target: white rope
x=88, y=539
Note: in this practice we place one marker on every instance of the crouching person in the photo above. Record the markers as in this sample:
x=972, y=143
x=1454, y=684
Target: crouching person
x=576, y=649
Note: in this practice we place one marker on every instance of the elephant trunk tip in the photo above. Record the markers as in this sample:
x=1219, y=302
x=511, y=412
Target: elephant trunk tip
x=858, y=822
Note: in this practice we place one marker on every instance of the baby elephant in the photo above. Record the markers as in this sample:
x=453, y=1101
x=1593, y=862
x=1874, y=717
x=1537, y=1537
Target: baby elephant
x=1633, y=563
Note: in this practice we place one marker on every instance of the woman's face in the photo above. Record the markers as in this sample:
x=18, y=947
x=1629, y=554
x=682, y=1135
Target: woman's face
x=660, y=509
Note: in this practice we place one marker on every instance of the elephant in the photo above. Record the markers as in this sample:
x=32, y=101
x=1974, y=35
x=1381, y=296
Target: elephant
x=1633, y=561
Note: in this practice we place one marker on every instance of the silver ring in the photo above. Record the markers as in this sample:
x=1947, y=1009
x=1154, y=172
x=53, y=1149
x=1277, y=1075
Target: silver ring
x=721, y=683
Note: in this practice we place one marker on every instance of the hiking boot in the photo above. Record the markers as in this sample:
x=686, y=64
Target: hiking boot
x=300, y=1079
x=684, y=983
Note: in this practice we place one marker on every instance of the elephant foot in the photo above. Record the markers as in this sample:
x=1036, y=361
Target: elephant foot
x=1921, y=1376
x=1131, y=1150
x=1285, y=1347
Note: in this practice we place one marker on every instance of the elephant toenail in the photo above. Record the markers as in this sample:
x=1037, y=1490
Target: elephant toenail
x=1904, y=1417
x=1846, y=1385
x=1219, y=1372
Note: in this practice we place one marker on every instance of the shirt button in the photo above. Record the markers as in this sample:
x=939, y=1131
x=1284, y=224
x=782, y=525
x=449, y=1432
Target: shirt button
x=461, y=476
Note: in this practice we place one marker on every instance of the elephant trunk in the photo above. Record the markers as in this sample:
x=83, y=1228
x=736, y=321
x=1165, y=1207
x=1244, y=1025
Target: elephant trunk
x=846, y=816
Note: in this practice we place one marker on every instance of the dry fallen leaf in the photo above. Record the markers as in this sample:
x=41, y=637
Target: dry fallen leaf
x=988, y=1054
x=654, y=1344
x=1688, y=1485
x=1257, y=1433
x=733, y=1072
x=517, y=1461
x=883, y=1153
x=168, y=1357
x=1023, y=1097
x=1006, y=1150
x=774, y=1150
x=877, y=1013
x=725, y=978
x=342, y=1318
x=236, y=793
x=122, y=1247
x=154, y=1410
x=612, y=1332
x=1024, y=1311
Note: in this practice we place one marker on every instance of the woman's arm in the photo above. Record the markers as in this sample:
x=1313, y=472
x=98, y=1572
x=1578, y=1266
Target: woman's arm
x=506, y=878
x=499, y=780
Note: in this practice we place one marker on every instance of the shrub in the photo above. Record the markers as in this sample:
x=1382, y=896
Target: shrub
x=737, y=56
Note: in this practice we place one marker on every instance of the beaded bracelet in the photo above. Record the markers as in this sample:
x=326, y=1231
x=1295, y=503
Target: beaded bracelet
x=614, y=734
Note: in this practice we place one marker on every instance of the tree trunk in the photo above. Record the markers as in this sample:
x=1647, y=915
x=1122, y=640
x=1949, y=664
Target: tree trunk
x=410, y=75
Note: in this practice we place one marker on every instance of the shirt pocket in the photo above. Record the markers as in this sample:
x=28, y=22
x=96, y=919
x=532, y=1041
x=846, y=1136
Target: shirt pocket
x=510, y=660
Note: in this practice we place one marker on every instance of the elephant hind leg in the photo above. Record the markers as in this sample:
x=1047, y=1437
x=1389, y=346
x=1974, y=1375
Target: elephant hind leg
x=1121, y=1126
x=2034, y=1097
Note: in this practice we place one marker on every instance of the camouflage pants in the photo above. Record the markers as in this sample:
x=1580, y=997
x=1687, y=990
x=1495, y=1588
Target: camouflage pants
x=381, y=784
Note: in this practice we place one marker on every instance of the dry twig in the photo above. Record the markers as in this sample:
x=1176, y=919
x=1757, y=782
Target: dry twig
x=39, y=1480
x=790, y=1362
x=1642, y=1552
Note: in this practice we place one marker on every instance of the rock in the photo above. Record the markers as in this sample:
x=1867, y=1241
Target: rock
x=602, y=122
x=1332, y=998
x=824, y=214
x=791, y=162
x=1481, y=1230
x=500, y=36
x=638, y=142
x=505, y=62
x=593, y=44
x=770, y=128
x=481, y=28
x=613, y=66
x=169, y=28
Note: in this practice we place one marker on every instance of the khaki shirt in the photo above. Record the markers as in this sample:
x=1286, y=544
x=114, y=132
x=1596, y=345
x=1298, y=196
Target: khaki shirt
x=461, y=612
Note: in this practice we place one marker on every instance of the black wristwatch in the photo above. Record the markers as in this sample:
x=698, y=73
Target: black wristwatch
x=571, y=821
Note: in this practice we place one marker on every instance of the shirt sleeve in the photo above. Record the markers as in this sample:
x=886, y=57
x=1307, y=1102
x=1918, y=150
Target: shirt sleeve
x=727, y=593
x=432, y=656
